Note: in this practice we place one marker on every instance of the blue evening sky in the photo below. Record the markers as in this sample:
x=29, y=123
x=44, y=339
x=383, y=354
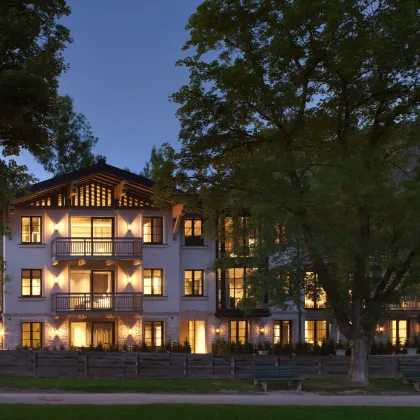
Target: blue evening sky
x=122, y=71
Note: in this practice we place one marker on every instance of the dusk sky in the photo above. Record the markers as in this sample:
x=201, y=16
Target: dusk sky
x=122, y=71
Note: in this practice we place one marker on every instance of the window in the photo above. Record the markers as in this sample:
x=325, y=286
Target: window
x=240, y=235
x=315, y=297
x=153, y=279
x=194, y=282
x=153, y=333
x=197, y=336
x=153, y=230
x=282, y=332
x=238, y=331
x=31, y=283
x=279, y=234
x=193, y=231
x=31, y=230
x=316, y=331
x=31, y=334
x=400, y=331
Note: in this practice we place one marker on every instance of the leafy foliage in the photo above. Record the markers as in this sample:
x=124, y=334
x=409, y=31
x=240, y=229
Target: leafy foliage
x=307, y=115
x=31, y=45
x=72, y=142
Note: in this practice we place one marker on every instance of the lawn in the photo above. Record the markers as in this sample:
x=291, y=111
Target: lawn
x=332, y=384
x=203, y=412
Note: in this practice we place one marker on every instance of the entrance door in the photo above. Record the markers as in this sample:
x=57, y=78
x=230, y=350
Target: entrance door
x=197, y=336
x=83, y=334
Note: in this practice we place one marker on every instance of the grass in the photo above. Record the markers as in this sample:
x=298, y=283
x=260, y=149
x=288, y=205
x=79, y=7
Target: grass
x=330, y=385
x=203, y=412
x=127, y=385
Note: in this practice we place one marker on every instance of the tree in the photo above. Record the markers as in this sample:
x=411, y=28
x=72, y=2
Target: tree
x=31, y=45
x=307, y=115
x=72, y=142
x=154, y=165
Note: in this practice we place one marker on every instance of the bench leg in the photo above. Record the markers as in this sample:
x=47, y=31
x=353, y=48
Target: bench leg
x=405, y=381
x=255, y=382
x=416, y=386
x=264, y=385
x=299, y=386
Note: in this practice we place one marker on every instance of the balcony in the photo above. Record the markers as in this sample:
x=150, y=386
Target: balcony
x=68, y=249
x=82, y=303
x=408, y=304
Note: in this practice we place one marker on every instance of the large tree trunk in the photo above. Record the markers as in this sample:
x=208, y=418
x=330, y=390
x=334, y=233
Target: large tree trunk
x=358, y=372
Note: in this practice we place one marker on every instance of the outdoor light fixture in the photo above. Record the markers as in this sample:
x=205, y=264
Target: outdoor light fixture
x=56, y=280
x=217, y=331
x=129, y=227
x=1, y=332
x=128, y=279
x=56, y=226
x=57, y=333
x=130, y=331
x=262, y=330
x=381, y=329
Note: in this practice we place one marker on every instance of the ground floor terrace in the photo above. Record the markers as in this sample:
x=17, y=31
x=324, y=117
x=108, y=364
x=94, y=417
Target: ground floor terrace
x=202, y=330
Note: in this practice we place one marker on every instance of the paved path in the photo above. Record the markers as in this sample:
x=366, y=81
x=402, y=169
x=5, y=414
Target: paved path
x=273, y=398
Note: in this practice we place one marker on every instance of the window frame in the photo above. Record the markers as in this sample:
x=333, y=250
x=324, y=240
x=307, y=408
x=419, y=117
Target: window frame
x=247, y=327
x=396, y=339
x=280, y=323
x=153, y=337
x=152, y=270
x=30, y=230
x=152, y=218
x=41, y=330
x=193, y=271
x=316, y=330
x=314, y=299
x=194, y=239
x=30, y=282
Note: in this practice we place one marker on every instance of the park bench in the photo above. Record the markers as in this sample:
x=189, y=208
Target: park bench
x=264, y=374
x=411, y=375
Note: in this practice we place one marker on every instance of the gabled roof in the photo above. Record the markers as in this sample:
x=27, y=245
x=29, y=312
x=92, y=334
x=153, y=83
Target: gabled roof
x=101, y=173
x=96, y=169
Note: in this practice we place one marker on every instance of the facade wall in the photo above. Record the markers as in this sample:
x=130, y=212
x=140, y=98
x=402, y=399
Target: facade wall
x=173, y=308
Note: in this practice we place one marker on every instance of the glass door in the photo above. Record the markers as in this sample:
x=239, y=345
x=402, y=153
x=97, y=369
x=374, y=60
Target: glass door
x=102, y=234
x=103, y=333
x=102, y=288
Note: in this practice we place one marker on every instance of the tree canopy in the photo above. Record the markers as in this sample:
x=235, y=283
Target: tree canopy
x=31, y=62
x=306, y=114
x=71, y=142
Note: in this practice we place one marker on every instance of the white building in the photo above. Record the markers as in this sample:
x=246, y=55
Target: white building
x=90, y=260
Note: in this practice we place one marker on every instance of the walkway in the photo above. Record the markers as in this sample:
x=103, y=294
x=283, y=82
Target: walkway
x=273, y=398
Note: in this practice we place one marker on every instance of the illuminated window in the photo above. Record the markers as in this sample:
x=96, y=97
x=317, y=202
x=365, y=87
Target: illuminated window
x=238, y=331
x=193, y=231
x=400, y=331
x=239, y=235
x=194, y=282
x=282, y=332
x=315, y=296
x=153, y=279
x=235, y=278
x=153, y=230
x=31, y=283
x=197, y=336
x=31, y=230
x=316, y=331
x=279, y=234
x=31, y=334
x=153, y=333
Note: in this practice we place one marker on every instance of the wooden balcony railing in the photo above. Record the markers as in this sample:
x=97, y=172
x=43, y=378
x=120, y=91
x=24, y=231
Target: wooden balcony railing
x=87, y=302
x=408, y=304
x=73, y=248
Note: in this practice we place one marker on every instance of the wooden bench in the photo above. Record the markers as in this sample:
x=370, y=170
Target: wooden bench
x=264, y=374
